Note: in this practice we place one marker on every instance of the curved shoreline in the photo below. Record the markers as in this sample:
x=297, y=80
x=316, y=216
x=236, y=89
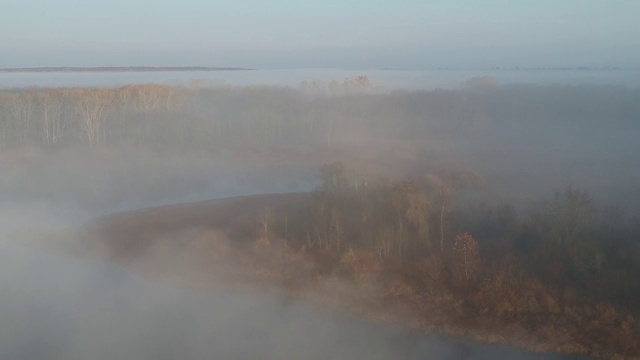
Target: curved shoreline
x=204, y=229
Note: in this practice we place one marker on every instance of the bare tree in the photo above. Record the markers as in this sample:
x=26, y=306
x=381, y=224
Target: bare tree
x=411, y=208
x=334, y=178
x=22, y=106
x=148, y=100
x=445, y=192
x=266, y=219
x=359, y=84
x=124, y=100
x=50, y=104
x=446, y=187
x=571, y=210
x=91, y=104
x=570, y=214
x=466, y=247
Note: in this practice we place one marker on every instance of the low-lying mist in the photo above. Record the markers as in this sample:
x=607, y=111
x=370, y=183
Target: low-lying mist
x=56, y=307
x=68, y=156
x=524, y=139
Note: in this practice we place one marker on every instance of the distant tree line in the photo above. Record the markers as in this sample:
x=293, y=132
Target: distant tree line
x=171, y=118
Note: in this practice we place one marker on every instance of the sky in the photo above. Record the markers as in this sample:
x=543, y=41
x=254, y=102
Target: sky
x=403, y=34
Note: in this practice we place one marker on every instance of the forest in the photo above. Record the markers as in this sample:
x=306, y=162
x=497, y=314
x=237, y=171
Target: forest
x=565, y=271
x=427, y=188
x=212, y=118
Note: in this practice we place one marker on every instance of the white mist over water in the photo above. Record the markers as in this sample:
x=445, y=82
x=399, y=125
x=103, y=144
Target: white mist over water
x=54, y=307
x=58, y=308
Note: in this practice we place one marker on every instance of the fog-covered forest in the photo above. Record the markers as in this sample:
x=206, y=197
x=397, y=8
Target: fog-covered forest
x=563, y=134
x=517, y=203
x=173, y=118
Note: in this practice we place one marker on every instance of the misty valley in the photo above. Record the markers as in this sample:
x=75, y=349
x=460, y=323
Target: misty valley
x=332, y=219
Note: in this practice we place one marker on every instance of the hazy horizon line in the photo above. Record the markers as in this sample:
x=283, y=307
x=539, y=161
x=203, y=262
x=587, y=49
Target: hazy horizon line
x=121, y=68
x=145, y=68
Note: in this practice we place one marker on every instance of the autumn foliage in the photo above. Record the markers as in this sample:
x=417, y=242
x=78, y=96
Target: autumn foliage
x=389, y=233
x=465, y=249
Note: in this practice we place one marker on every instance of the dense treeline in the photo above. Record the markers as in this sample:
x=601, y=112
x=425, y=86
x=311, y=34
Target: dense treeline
x=568, y=241
x=566, y=267
x=163, y=117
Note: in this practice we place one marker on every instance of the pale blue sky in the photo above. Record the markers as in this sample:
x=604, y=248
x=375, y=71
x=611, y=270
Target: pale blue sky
x=324, y=33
